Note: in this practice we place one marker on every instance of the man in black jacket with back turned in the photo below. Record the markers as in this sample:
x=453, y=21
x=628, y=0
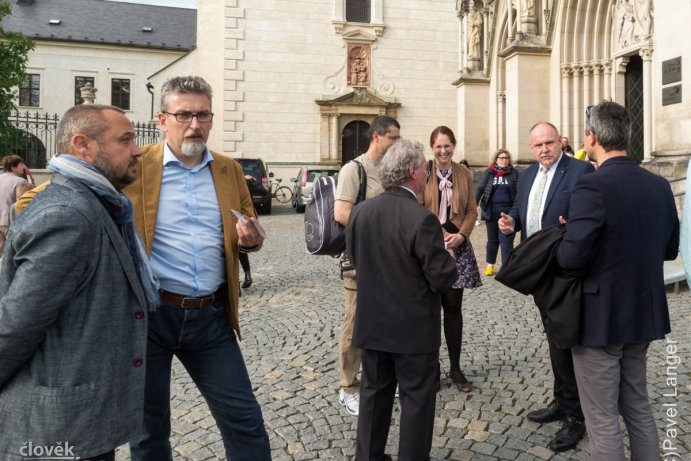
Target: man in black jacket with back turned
x=403, y=267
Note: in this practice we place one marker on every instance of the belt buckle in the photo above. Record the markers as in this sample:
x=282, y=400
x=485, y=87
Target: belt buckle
x=186, y=298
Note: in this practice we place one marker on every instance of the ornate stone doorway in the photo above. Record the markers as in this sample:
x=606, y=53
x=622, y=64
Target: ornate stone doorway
x=634, y=103
x=345, y=121
x=354, y=140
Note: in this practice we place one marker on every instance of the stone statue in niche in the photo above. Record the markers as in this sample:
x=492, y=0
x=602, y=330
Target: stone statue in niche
x=527, y=9
x=358, y=65
x=474, y=34
x=632, y=22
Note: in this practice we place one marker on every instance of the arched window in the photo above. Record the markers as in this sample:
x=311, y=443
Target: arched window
x=358, y=11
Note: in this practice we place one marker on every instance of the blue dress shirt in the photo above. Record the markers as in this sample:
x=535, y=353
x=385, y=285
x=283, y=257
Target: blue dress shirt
x=187, y=255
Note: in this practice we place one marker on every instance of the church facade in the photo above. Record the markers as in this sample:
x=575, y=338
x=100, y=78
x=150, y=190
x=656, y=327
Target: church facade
x=299, y=82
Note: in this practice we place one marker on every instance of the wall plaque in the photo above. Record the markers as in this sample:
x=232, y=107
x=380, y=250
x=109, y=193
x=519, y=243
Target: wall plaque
x=671, y=95
x=671, y=71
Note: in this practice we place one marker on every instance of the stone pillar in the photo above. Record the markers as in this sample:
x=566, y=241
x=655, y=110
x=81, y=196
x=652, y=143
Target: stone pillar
x=510, y=22
x=519, y=18
x=607, y=68
x=597, y=83
x=566, y=72
x=501, y=119
x=335, y=138
x=577, y=111
x=647, y=57
x=485, y=39
x=527, y=77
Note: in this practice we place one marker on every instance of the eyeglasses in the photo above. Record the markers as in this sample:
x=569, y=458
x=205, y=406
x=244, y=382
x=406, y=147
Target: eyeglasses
x=502, y=158
x=186, y=117
x=588, y=112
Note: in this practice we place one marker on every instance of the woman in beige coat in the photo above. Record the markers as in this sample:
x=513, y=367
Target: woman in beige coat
x=450, y=195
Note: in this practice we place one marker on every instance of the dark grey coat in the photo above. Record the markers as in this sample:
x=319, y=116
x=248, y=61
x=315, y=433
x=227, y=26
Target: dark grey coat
x=72, y=328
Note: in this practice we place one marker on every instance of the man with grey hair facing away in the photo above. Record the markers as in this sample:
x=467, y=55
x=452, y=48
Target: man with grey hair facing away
x=398, y=251
x=622, y=226
x=75, y=288
x=182, y=207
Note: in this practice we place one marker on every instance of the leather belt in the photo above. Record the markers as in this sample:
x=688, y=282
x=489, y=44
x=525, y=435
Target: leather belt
x=190, y=302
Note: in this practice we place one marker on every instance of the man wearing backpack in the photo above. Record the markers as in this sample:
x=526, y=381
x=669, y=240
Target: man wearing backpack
x=383, y=132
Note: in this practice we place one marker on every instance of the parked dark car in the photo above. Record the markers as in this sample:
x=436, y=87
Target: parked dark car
x=302, y=191
x=258, y=183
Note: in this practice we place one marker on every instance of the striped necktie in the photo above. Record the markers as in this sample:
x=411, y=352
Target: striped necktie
x=534, y=215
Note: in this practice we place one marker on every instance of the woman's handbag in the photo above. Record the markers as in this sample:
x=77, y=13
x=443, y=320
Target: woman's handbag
x=486, y=211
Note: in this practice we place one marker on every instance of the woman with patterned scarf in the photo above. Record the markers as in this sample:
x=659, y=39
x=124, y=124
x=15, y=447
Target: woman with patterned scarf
x=496, y=193
x=449, y=195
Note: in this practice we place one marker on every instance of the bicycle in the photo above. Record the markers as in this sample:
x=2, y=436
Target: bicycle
x=281, y=193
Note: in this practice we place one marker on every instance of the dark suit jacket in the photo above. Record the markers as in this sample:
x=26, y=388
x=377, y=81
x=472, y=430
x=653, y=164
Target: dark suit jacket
x=558, y=195
x=532, y=269
x=623, y=224
x=402, y=266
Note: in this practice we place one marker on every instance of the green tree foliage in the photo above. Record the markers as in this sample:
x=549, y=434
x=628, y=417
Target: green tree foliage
x=14, y=50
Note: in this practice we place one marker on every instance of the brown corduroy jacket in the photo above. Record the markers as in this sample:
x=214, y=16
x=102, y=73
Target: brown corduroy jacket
x=231, y=192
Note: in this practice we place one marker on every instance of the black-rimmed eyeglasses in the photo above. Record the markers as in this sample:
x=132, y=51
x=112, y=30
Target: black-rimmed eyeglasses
x=588, y=112
x=186, y=117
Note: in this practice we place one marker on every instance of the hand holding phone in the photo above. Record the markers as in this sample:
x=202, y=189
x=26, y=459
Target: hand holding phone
x=254, y=224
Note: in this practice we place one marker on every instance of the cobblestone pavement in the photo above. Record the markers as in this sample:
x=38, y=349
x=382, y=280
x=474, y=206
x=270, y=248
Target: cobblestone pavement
x=290, y=321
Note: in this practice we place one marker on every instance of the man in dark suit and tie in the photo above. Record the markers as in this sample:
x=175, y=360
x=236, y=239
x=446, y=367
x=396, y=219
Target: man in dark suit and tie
x=398, y=250
x=543, y=195
x=622, y=225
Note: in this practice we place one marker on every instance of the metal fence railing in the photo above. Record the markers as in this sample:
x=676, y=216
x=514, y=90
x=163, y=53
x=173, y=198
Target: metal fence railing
x=31, y=135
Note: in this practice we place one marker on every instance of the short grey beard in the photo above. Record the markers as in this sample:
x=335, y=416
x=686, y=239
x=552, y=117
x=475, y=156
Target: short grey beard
x=192, y=149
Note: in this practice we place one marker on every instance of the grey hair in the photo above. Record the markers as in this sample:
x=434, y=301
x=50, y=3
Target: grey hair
x=86, y=119
x=612, y=125
x=393, y=170
x=182, y=85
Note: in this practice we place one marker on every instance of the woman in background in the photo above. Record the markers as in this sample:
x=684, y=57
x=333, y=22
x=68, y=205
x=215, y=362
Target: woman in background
x=449, y=195
x=495, y=194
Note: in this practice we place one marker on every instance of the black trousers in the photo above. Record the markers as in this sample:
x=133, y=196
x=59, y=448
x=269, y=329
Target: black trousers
x=565, y=387
x=416, y=376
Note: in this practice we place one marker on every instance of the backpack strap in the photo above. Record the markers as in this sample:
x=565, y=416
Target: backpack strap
x=362, y=176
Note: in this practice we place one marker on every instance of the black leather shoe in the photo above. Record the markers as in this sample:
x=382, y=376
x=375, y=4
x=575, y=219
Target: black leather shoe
x=568, y=436
x=248, y=280
x=553, y=412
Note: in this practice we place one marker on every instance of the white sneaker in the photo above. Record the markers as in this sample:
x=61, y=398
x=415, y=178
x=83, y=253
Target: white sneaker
x=350, y=401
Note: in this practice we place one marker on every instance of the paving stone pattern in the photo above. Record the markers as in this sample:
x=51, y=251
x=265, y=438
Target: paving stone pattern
x=290, y=320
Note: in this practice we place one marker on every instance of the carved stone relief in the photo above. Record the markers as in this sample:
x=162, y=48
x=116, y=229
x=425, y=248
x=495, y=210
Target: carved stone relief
x=359, y=67
x=632, y=22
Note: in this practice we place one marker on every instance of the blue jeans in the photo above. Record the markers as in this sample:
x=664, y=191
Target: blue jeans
x=495, y=239
x=204, y=342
